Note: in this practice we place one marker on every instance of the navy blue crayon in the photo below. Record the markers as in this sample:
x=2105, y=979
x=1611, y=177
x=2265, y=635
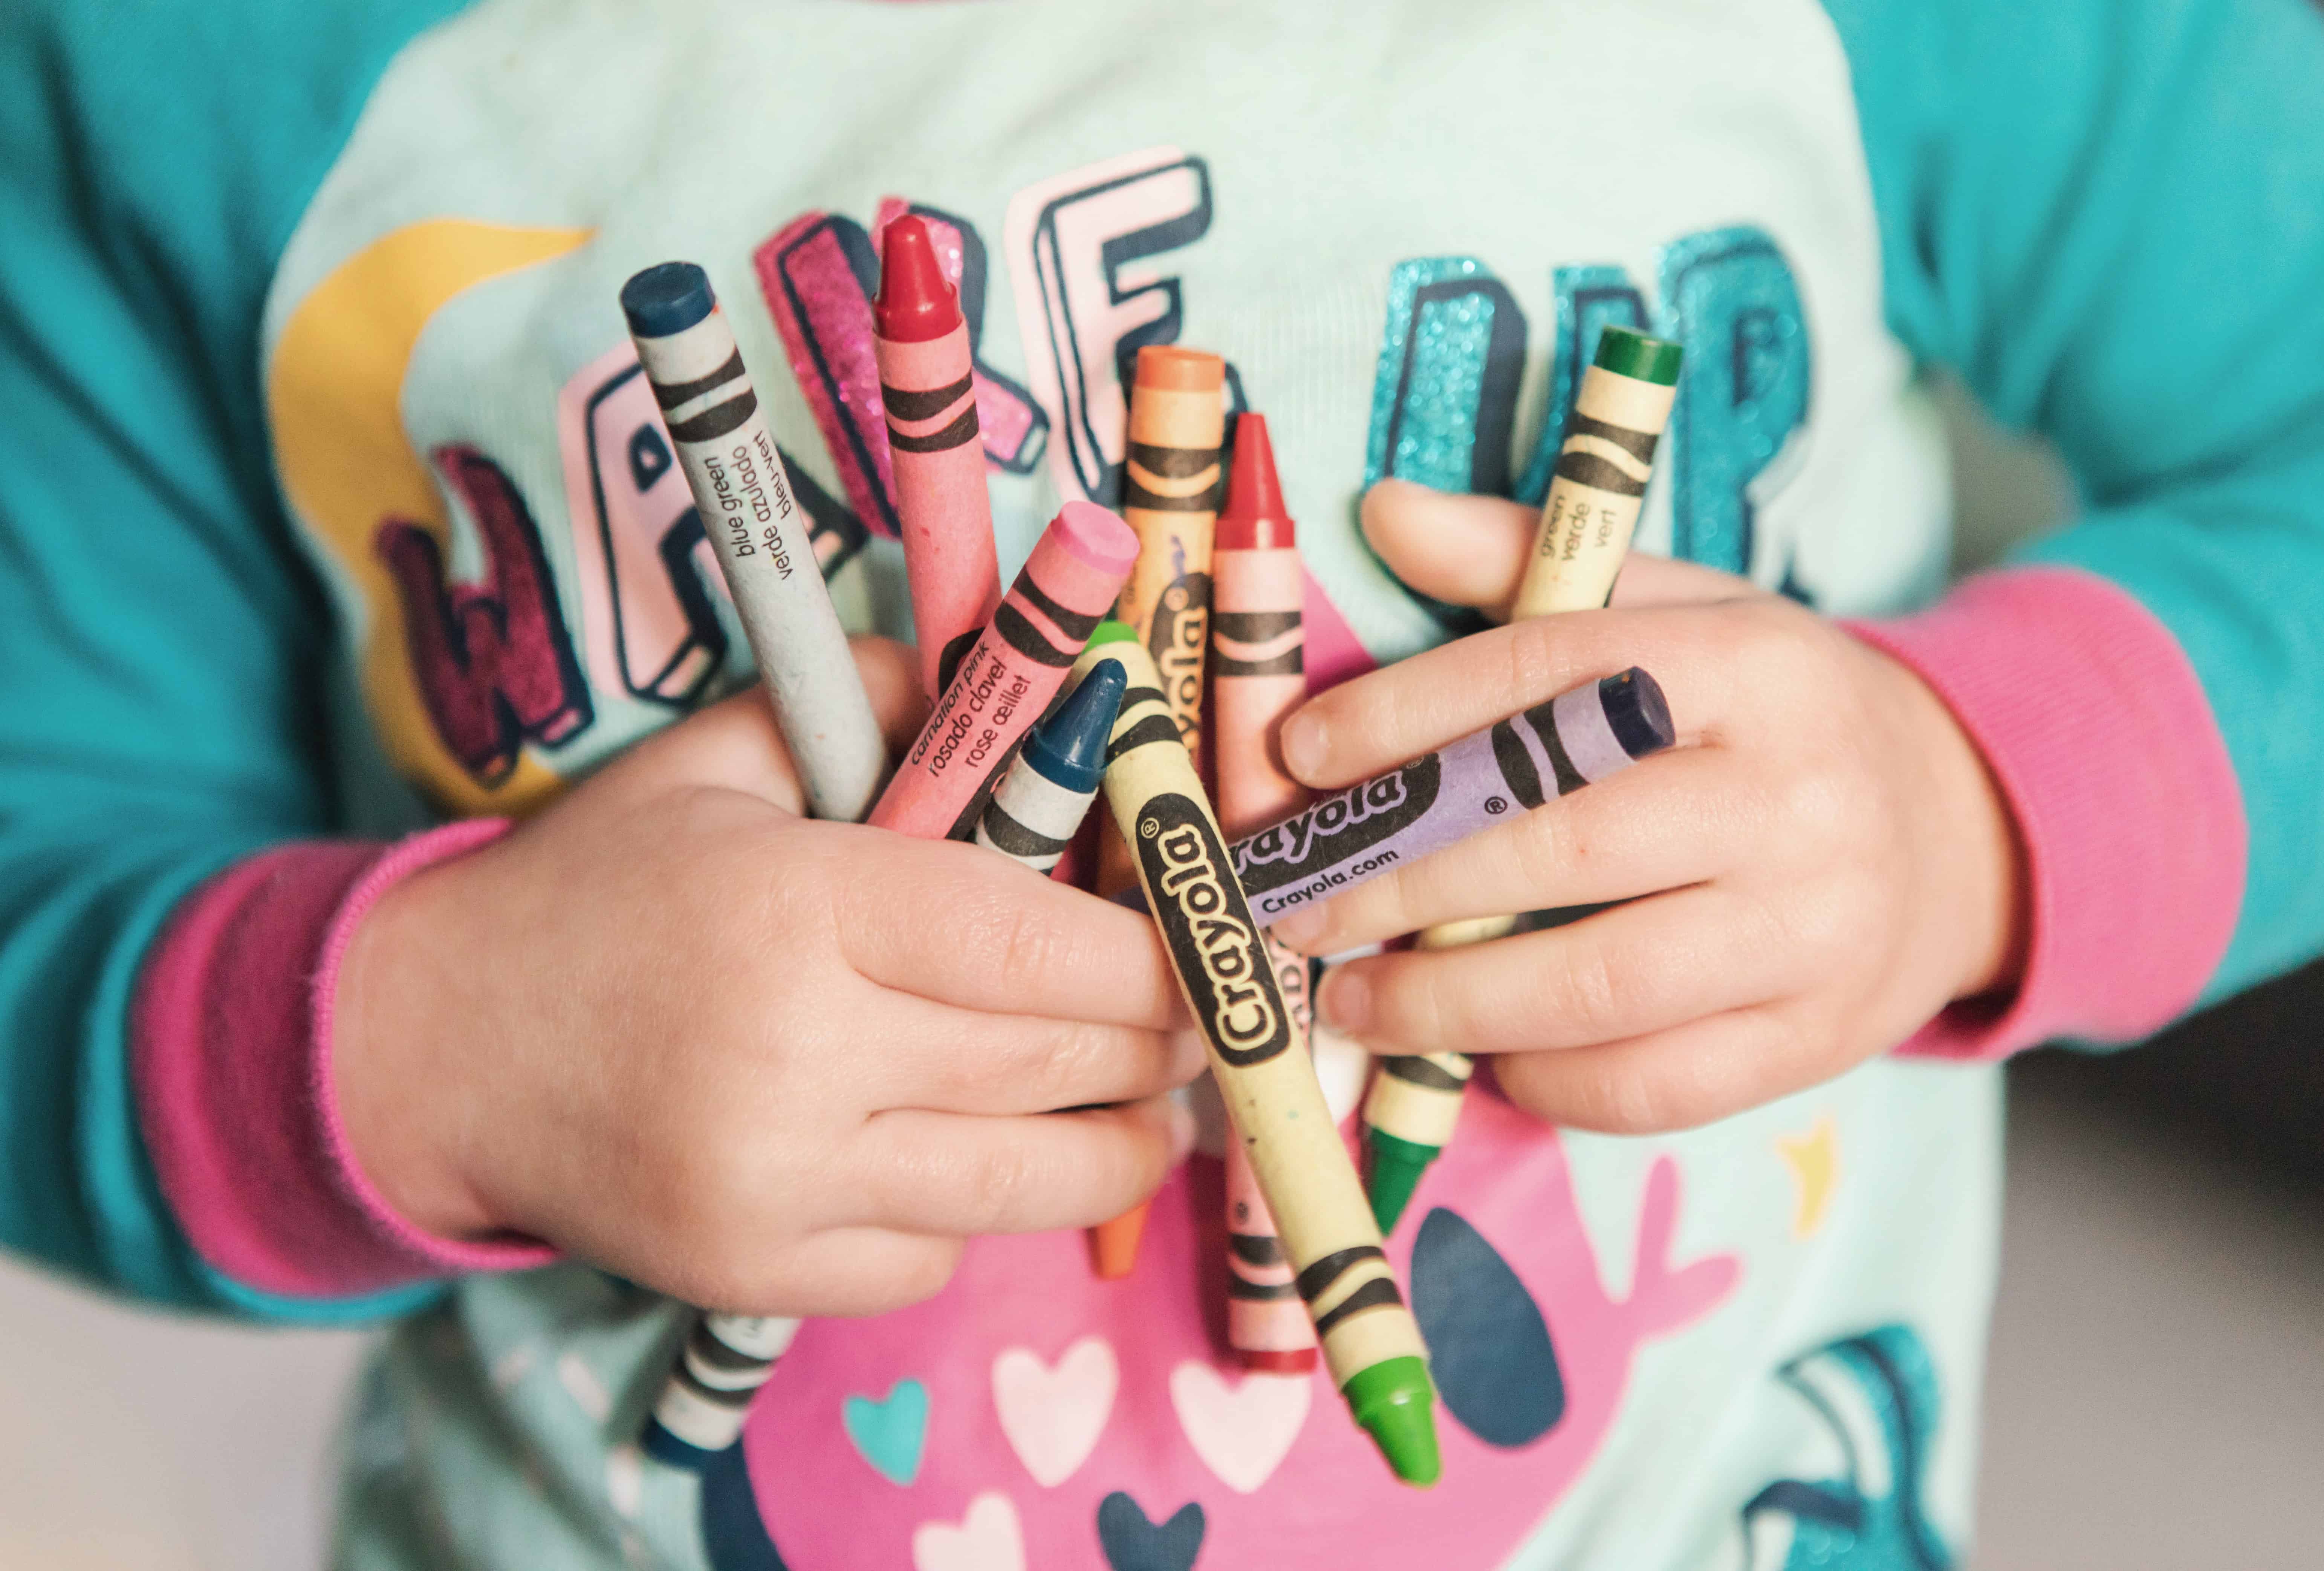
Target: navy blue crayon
x=1047, y=790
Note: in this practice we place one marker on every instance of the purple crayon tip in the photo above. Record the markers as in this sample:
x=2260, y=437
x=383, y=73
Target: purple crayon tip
x=1636, y=712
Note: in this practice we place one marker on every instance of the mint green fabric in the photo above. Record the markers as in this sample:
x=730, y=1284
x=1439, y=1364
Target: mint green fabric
x=2107, y=215
x=161, y=641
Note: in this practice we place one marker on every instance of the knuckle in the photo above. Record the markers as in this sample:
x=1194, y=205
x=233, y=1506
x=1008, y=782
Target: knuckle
x=1584, y=989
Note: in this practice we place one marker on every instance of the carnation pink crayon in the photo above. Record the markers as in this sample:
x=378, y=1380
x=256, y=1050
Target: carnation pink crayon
x=928, y=384
x=1006, y=681
x=1552, y=750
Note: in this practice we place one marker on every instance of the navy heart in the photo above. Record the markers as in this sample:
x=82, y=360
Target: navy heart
x=1132, y=1543
x=1488, y=1345
x=732, y=1529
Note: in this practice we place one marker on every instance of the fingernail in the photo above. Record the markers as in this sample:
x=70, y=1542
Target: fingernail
x=1301, y=928
x=1302, y=741
x=1347, y=1000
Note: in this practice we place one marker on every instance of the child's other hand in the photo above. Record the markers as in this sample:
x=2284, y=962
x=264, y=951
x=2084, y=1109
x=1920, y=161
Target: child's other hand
x=765, y=1064
x=1828, y=861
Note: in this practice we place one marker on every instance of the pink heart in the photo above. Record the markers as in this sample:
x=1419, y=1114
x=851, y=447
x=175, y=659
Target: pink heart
x=1053, y=1417
x=1242, y=1433
x=989, y=1539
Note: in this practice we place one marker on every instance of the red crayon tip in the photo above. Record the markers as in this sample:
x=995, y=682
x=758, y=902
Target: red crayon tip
x=917, y=303
x=1298, y=1361
x=1255, y=519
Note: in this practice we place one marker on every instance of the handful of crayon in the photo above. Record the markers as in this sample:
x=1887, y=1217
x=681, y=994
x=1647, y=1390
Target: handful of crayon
x=1038, y=700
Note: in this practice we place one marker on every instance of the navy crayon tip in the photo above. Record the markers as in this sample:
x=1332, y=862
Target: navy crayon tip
x=1070, y=748
x=667, y=298
x=1636, y=713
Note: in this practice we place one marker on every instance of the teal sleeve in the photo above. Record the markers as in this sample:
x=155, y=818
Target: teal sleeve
x=2107, y=218
x=162, y=645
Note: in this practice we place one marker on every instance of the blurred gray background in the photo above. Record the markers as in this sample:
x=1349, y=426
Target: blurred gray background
x=2155, y=1399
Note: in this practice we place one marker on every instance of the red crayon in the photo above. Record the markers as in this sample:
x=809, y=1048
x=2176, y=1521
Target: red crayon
x=936, y=449
x=1258, y=677
x=1006, y=681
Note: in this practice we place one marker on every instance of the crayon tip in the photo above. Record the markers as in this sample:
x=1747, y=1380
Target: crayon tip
x=1397, y=1166
x=1173, y=369
x=1277, y=1361
x=667, y=298
x=917, y=303
x=1069, y=747
x=1627, y=352
x=1636, y=712
x=1391, y=1399
x=1255, y=519
x=1112, y=630
x=1114, y=1244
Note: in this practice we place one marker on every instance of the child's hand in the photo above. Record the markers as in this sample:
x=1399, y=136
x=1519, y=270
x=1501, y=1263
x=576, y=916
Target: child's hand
x=1829, y=860
x=762, y=1063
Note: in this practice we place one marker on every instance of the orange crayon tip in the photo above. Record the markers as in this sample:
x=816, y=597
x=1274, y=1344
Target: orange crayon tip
x=1113, y=1245
x=1173, y=369
x=1291, y=1360
x=1255, y=519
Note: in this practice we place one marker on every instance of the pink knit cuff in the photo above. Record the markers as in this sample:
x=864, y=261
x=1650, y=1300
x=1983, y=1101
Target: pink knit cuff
x=2097, y=731
x=231, y=1052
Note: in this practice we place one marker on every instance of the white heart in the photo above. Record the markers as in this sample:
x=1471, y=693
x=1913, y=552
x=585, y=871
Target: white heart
x=1053, y=1417
x=988, y=1539
x=1242, y=1433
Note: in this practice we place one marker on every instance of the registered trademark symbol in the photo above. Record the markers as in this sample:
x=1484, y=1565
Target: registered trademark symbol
x=1496, y=805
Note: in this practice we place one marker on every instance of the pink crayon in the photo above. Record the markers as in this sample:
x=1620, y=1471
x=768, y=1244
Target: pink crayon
x=1006, y=681
x=928, y=384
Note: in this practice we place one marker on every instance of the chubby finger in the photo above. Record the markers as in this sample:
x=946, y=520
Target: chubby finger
x=960, y=925
x=1635, y=969
x=1651, y=581
x=1681, y=819
x=1465, y=551
x=958, y=1175
x=942, y=1060
x=837, y=1271
x=892, y=679
x=1389, y=717
x=1688, y=1075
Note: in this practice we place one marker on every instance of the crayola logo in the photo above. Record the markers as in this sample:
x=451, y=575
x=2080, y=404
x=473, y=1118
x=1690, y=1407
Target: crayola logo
x=1339, y=827
x=1178, y=641
x=1205, y=921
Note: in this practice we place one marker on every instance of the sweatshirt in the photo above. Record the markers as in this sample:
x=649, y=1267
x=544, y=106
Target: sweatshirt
x=337, y=527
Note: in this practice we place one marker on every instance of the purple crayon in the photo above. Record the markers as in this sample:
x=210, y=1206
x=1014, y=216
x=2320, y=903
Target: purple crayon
x=1551, y=750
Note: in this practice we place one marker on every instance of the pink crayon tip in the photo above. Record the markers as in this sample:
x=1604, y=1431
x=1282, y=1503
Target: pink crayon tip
x=1096, y=536
x=917, y=303
x=1255, y=519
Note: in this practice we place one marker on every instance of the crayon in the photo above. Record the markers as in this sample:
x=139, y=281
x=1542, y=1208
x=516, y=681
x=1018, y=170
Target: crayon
x=1600, y=485
x=920, y=340
x=1258, y=677
x=1551, y=750
x=760, y=534
x=1267, y=1080
x=1047, y=792
x=1170, y=488
x=725, y=1361
x=1007, y=678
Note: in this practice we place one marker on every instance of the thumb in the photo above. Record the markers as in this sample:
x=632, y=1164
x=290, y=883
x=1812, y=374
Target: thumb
x=735, y=744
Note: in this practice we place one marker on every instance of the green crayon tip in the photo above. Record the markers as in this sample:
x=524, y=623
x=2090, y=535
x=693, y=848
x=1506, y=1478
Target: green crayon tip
x=1112, y=632
x=1628, y=353
x=1391, y=1399
x=1395, y=1169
